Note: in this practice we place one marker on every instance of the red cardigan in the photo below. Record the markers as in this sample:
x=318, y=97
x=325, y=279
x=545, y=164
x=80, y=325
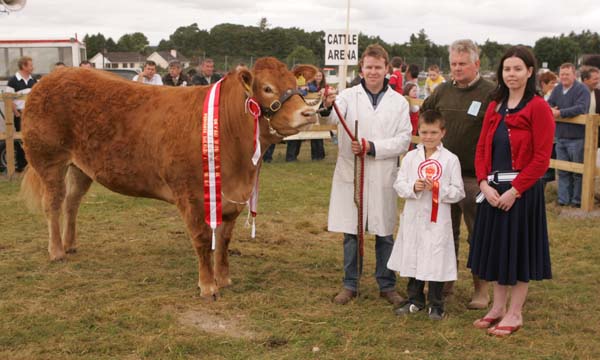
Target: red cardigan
x=530, y=132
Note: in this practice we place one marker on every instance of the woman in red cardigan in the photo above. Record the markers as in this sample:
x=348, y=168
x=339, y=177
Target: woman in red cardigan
x=509, y=244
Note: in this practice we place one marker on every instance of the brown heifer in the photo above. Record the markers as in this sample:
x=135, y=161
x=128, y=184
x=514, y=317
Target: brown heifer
x=85, y=125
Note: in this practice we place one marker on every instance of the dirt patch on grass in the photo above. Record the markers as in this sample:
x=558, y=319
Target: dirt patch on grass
x=217, y=324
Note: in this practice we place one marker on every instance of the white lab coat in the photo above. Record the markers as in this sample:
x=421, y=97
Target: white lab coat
x=423, y=249
x=388, y=127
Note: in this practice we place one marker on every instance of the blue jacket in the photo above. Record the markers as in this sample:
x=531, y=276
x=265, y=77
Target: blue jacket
x=575, y=102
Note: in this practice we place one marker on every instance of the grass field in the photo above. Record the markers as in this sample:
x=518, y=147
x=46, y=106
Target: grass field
x=130, y=291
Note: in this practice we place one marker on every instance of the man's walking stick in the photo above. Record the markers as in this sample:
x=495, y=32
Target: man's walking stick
x=359, y=182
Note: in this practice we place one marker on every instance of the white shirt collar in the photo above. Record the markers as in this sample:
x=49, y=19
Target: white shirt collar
x=439, y=147
x=20, y=77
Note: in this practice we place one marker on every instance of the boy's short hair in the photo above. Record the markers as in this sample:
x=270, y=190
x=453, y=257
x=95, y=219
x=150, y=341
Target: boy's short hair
x=434, y=68
x=431, y=117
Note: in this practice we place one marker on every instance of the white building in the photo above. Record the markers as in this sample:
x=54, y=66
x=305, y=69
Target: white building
x=163, y=58
x=134, y=60
x=118, y=60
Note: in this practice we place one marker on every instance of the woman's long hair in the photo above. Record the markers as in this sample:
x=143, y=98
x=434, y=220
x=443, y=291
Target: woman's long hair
x=523, y=53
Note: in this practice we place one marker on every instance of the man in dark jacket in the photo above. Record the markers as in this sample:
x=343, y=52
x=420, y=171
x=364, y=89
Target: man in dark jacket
x=175, y=77
x=206, y=73
x=463, y=103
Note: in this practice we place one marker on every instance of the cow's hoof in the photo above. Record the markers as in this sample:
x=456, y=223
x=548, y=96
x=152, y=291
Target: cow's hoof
x=209, y=295
x=57, y=256
x=71, y=251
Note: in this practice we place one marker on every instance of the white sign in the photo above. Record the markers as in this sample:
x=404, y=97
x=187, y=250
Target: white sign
x=339, y=47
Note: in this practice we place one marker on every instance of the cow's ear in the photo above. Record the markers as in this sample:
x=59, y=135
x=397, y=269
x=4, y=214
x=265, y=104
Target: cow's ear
x=307, y=71
x=246, y=79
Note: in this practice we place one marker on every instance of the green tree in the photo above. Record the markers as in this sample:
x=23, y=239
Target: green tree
x=556, y=50
x=589, y=42
x=189, y=40
x=493, y=51
x=136, y=42
x=94, y=44
x=300, y=55
x=263, y=25
x=111, y=45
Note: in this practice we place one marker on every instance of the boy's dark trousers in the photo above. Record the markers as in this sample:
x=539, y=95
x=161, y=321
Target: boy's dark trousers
x=416, y=295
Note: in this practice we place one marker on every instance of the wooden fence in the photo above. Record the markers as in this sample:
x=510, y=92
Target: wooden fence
x=10, y=135
x=588, y=169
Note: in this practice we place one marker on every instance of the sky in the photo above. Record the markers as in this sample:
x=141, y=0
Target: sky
x=506, y=21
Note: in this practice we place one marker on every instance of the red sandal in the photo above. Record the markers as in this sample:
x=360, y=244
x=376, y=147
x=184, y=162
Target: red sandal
x=511, y=330
x=486, y=322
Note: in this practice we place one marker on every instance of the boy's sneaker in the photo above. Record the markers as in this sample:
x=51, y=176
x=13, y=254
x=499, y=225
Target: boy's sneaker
x=406, y=309
x=436, y=313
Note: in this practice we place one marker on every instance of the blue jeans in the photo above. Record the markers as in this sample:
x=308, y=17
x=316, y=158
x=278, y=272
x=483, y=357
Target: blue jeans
x=569, y=184
x=386, y=278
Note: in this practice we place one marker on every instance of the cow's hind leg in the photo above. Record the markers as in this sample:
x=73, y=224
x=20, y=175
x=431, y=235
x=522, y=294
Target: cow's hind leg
x=221, y=253
x=192, y=212
x=53, y=178
x=78, y=184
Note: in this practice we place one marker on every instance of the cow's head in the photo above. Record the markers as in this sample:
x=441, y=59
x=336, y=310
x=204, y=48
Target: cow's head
x=274, y=87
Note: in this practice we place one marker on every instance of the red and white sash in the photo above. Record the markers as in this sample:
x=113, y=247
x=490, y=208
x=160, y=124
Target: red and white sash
x=211, y=160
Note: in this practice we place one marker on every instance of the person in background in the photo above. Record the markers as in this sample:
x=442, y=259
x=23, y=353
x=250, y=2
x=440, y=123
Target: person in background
x=206, y=73
x=175, y=77
x=293, y=146
x=510, y=236
x=86, y=65
x=433, y=79
x=396, y=79
x=568, y=99
x=590, y=77
x=410, y=90
x=462, y=103
x=411, y=76
x=148, y=75
x=317, y=87
x=547, y=83
x=21, y=83
x=424, y=248
x=59, y=65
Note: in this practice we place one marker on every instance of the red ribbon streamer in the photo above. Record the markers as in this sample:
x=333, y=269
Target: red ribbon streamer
x=211, y=159
x=435, y=200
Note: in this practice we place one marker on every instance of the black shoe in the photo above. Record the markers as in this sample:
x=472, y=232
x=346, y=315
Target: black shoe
x=436, y=313
x=407, y=309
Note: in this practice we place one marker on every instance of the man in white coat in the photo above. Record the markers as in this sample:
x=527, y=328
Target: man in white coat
x=383, y=121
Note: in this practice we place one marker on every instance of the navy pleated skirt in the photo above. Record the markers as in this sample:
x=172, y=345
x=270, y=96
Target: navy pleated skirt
x=511, y=246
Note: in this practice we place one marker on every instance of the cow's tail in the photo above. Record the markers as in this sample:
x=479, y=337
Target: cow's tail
x=32, y=190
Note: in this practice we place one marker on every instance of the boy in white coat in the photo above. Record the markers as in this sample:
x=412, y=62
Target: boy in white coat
x=430, y=180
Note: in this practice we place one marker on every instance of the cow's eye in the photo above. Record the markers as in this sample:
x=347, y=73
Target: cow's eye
x=268, y=89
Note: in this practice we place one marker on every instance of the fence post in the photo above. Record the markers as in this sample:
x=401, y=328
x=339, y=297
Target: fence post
x=9, y=142
x=589, y=162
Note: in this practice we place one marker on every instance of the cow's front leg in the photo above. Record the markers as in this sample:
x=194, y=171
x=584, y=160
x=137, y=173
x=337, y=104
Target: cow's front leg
x=192, y=212
x=221, y=254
